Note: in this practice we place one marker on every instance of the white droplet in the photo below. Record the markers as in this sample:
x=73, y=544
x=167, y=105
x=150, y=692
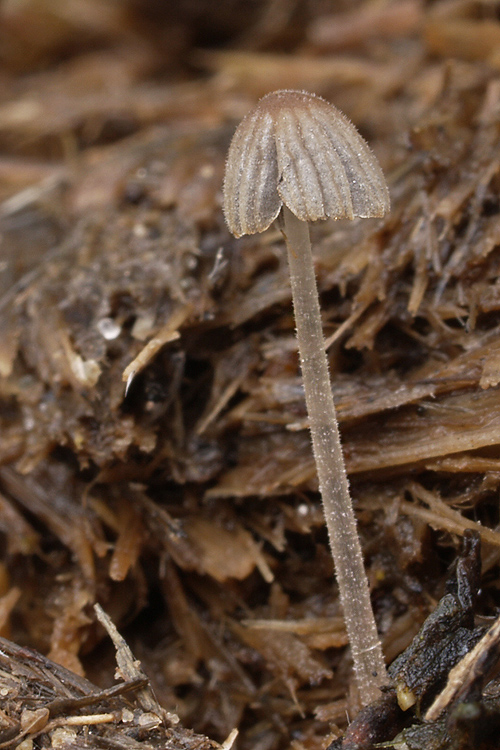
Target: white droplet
x=108, y=328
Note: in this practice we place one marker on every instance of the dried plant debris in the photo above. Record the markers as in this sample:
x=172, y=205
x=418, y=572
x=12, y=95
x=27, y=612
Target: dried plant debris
x=447, y=670
x=45, y=705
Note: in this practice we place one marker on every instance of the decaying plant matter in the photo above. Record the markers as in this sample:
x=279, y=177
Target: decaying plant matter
x=49, y=706
x=437, y=698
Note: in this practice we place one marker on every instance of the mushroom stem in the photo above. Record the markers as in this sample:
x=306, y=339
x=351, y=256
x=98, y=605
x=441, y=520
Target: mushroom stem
x=339, y=515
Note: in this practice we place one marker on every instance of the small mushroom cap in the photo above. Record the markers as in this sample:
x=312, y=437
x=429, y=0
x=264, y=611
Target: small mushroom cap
x=298, y=149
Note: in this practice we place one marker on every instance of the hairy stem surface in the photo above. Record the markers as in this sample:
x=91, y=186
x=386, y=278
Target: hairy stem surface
x=339, y=515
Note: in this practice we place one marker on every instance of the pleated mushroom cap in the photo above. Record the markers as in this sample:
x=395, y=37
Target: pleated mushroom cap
x=298, y=149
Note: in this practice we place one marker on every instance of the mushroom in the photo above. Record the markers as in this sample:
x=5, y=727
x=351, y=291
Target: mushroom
x=297, y=157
